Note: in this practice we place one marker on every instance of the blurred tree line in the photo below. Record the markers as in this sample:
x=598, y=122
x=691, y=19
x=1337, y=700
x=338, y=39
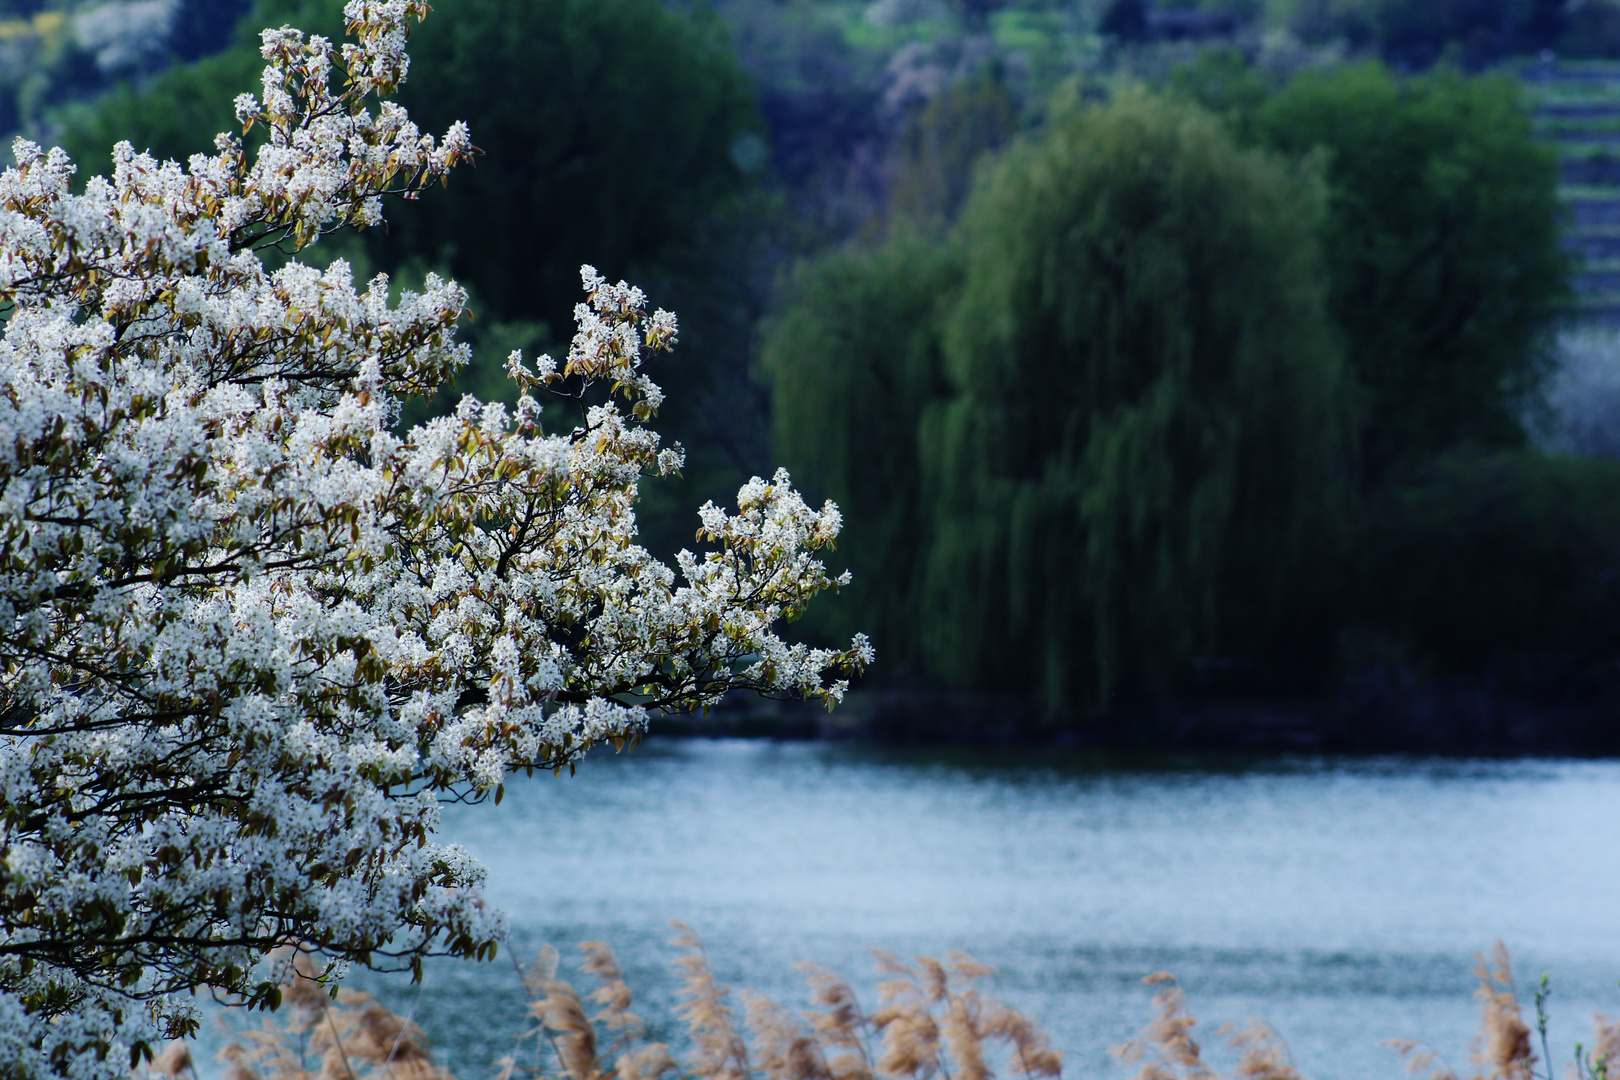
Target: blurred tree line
x=1408, y=35
x=1127, y=394
x=58, y=53
x=1219, y=390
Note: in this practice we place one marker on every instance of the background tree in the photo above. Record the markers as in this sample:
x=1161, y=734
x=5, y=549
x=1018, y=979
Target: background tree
x=1079, y=446
x=1140, y=463
x=854, y=361
x=1125, y=20
x=1476, y=32
x=1442, y=249
x=610, y=126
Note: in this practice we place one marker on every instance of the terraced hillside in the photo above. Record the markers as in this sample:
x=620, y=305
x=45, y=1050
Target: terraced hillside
x=1578, y=106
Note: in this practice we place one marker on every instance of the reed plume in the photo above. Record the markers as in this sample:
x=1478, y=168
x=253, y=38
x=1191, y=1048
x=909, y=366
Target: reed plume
x=563, y=1015
x=839, y=1024
x=1166, y=1049
x=316, y=1035
x=173, y=1062
x=1503, y=1048
x=785, y=1047
x=1503, y=1045
x=1032, y=1056
x=719, y=1053
x=932, y=1020
x=612, y=992
x=1264, y=1054
x=1604, y=1060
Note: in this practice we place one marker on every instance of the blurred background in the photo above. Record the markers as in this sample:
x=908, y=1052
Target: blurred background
x=1194, y=377
x=1226, y=373
x=1235, y=373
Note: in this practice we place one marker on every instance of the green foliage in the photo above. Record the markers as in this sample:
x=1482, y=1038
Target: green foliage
x=1222, y=80
x=1140, y=462
x=1442, y=247
x=1073, y=450
x=608, y=127
x=174, y=115
x=1505, y=561
x=940, y=147
x=854, y=360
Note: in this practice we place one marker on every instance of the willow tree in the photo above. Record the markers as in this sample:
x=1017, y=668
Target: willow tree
x=1139, y=462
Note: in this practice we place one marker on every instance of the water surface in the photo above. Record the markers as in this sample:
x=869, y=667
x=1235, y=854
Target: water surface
x=1342, y=901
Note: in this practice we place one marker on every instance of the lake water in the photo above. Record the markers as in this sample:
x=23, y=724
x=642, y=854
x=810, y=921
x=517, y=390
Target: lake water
x=1342, y=901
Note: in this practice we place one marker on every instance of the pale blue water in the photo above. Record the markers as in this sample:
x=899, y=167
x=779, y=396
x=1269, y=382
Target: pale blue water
x=1342, y=901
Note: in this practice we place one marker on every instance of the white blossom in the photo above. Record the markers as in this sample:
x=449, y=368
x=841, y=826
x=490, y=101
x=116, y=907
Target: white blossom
x=249, y=635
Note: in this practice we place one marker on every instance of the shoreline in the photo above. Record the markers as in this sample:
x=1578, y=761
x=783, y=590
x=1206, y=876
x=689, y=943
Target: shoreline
x=1458, y=720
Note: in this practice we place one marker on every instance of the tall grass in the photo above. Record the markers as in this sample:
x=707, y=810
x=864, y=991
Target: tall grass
x=932, y=1021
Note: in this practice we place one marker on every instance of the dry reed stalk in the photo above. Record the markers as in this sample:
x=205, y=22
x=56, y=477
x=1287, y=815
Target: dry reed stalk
x=963, y=1038
x=173, y=1062
x=359, y=1037
x=1605, y=1054
x=612, y=992
x=911, y=1037
x=932, y=1020
x=1264, y=1055
x=1032, y=1055
x=537, y=973
x=646, y=1063
x=571, y=1032
x=315, y=1036
x=719, y=1052
x=916, y=1044
x=1420, y=1058
x=839, y=1024
x=1166, y=1047
x=784, y=1047
x=1503, y=1045
x=553, y=1015
x=965, y=1013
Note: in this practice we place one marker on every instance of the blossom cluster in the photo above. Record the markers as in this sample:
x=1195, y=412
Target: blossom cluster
x=251, y=634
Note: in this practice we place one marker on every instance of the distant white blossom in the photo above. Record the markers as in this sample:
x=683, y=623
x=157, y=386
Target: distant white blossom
x=249, y=636
x=125, y=33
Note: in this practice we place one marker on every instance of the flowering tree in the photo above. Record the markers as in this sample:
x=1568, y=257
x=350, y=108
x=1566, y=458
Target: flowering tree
x=250, y=637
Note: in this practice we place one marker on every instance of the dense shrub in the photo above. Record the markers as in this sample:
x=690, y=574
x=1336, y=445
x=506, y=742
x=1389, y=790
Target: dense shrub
x=1507, y=564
